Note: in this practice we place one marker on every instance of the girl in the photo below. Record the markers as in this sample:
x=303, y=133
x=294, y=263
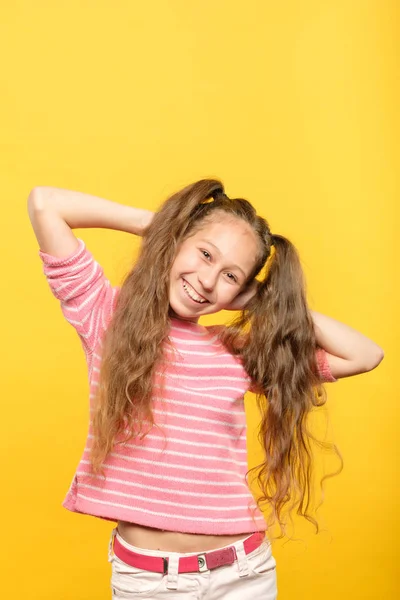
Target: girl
x=165, y=456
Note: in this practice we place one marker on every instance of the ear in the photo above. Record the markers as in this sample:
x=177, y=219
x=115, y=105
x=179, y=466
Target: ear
x=241, y=300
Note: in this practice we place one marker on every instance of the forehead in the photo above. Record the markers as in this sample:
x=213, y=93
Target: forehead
x=234, y=239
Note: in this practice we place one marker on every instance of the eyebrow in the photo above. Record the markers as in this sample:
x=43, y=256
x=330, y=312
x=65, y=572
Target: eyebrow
x=219, y=252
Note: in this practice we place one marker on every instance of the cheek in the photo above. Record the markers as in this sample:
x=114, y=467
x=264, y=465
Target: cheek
x=227, y=293
x=185, y=263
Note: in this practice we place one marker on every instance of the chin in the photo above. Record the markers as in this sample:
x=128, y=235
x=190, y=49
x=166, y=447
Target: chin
x=181, y=311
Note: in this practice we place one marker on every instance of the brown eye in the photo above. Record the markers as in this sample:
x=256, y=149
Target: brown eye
x=206, y=254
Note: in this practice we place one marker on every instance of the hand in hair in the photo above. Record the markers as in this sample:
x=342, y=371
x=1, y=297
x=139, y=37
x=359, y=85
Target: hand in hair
x=243, y=298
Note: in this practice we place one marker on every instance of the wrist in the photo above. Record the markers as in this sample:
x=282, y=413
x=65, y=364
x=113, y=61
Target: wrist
x=139, y=220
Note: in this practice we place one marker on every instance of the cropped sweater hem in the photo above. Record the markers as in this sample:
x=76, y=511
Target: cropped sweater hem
x=78, y=504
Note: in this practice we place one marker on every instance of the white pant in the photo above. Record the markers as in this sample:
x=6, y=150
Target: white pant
x=250, y=577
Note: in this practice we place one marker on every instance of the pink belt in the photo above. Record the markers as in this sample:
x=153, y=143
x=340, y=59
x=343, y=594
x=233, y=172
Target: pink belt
x=198, y=562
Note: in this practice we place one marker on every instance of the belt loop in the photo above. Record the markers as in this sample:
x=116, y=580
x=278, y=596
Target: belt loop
x=242, y=559
x=111, y=545
x=172, y=573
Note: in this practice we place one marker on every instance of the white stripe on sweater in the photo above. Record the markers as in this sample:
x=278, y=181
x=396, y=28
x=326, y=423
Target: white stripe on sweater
x=162, y=500
x=190, y=331
x=201, y=377
x=197, y=342
x=200, y=445
x=94, y=266
x=200, y=393
x=165, y=490
x=205, y=469
x=216, y=409
x=183, y=455
x=162, y=477
x=210, y=366
x=204, y=419
x=175, y=351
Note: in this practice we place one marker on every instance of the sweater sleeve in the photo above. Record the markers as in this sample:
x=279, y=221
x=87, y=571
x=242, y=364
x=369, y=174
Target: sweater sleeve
x=86, y=296
x=323, y=367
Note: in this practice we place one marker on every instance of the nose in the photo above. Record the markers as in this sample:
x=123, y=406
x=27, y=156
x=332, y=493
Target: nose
x=208, y=278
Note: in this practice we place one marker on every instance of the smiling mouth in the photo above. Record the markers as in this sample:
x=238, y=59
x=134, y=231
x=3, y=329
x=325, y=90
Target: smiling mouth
x=193, y=295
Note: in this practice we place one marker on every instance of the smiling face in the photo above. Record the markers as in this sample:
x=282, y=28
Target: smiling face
x=212, y=267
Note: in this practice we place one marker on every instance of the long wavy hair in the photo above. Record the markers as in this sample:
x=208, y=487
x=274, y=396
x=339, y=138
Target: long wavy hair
x=274, y=336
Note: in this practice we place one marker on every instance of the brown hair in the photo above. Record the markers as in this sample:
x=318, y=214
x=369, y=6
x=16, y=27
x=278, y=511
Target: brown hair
x=274, y=335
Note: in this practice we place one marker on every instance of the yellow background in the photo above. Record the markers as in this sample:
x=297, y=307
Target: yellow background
x=295, y=105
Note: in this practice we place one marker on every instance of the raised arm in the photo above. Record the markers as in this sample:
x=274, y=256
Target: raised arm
x=55, y=212
x=348, y=351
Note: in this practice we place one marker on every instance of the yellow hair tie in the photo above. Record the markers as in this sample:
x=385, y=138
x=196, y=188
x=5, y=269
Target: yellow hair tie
x=264, y=271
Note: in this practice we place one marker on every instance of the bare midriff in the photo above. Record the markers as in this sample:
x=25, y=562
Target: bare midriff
x=173, y=541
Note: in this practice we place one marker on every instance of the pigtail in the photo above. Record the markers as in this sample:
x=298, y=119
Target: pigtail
x=279, y=354
x=282, y=333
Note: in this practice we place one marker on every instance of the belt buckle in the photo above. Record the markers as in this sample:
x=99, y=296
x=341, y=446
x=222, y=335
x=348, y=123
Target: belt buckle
x=201, y=559
x=165, y=566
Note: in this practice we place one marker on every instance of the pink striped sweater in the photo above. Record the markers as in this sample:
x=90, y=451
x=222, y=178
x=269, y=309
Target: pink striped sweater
x=188, y=473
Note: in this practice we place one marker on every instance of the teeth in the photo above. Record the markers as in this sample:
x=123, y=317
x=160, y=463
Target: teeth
x=190, y=291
